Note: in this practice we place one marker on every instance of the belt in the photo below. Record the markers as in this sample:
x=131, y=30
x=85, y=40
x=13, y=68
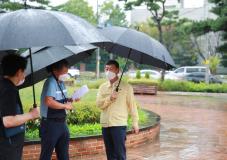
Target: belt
x=54, y=119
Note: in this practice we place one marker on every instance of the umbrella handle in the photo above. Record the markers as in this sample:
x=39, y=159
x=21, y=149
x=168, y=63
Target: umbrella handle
x=32, y=79
x=129, y=53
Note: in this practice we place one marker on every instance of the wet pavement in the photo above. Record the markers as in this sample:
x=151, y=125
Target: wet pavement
x=192, y=128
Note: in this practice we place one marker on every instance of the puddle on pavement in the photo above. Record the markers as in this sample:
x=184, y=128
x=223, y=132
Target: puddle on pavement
x=177, y=130
x=208, y=102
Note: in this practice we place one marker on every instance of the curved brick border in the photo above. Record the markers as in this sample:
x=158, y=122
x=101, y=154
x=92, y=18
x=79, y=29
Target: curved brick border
x=84, y=146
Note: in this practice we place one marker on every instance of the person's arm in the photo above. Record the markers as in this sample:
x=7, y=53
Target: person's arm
x=103, y=101
x=8, y=110
x=17, y=120
x=133, y=110
x=50, y=102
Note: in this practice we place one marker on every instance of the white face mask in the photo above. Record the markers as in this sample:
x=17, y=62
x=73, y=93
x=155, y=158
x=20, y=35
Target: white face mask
x=110, y=75
x=63, y=77
x=20, y=82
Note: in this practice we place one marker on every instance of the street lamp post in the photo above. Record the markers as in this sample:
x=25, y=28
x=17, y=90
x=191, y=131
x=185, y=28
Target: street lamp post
x=98, y=57
x=98, y=50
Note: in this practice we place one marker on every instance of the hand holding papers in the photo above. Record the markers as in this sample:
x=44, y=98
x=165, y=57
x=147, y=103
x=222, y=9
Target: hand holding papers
x=80, y=92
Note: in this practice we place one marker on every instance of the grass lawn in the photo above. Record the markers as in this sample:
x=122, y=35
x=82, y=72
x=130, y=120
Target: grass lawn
x=27, y=96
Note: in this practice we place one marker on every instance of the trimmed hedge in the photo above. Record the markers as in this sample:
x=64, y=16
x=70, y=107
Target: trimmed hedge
x=184, y=86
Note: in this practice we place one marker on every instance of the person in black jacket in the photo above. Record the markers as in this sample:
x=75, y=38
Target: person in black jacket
x=12, y=118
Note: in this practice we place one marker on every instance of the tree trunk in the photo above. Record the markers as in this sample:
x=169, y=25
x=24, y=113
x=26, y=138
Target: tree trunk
x=159, y=26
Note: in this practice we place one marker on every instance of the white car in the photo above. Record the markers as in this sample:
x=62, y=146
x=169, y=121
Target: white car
x=153, y=73
x=73, y=72
x=181, y=72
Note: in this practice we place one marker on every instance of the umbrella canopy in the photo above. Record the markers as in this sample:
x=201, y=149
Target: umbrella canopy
x=28, y=28
x=43, y=57
x=137, y=46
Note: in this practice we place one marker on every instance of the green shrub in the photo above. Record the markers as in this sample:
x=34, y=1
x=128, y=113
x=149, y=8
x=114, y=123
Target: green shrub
x=143, y=81
x=170, y=85
x=147, y=75
x=85, y=125
x=84, y=112
x=138, y=75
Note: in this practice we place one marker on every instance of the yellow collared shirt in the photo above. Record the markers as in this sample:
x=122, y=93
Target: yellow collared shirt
x=115, y=113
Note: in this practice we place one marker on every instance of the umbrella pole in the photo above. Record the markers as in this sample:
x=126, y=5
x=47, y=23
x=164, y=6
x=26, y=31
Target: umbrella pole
x=117, y=88
x=32, y=78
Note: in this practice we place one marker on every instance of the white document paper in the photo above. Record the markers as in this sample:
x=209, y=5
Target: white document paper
x=80, y=92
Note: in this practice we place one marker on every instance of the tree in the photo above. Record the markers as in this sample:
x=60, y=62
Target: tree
x=219, y=25
x=79, y=8
x=157, y=9
x=213, y=62
x=12, y=6
x=115, y=14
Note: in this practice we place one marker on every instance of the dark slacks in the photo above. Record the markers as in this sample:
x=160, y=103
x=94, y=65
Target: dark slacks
x=54, y=135
x=114, y=139
x=12, y=148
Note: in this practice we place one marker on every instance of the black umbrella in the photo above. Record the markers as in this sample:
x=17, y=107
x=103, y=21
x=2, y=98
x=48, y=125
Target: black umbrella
x=28, y=28
x=136, y=46
x=43, y=57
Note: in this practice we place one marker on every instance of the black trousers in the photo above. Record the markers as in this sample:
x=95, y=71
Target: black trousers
x=114, y=139
x=54, y=135
x=11, y=149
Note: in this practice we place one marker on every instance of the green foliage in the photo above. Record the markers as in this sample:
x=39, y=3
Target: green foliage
x=84, y=112
x=79, y=8
x=143, y=81
x=219, y=24
x=184, y=86
x=116, y=16
x=147, y=75
x=213, y=63
x=157, y=9
x=88, y=129
x=138, y=74
x=85, y=130
x=11, y=6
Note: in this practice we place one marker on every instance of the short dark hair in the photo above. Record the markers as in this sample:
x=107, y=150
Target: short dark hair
x=113, y=62
x=58, y=65
x=11, y=63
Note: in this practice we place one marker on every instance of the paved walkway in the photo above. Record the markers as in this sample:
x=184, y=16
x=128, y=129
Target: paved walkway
x=192, y=128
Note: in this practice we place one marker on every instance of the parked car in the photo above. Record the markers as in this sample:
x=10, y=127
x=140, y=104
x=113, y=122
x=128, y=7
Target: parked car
x=183, y=71
x=153, y=73
x=73, y=72
x=198, y=77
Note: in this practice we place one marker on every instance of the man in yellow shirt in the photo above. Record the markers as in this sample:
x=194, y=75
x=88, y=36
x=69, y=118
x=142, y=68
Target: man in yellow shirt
x=115, y=107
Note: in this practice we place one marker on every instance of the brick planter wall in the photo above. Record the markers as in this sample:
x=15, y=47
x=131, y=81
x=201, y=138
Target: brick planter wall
x=84, y=146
